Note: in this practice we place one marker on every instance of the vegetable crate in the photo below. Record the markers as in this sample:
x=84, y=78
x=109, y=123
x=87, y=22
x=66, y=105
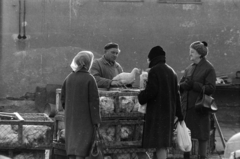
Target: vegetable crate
x=59, y=152
x=121, y=133
x=23, y=153
x=26, y=130
x=120, y=105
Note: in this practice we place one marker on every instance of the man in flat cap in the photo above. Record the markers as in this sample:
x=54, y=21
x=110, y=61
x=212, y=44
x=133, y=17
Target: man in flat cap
x=106, y=67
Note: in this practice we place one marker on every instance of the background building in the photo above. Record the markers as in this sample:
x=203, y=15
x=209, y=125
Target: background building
x=39, y=38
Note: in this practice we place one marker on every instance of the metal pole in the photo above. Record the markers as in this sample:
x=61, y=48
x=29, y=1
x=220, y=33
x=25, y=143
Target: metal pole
x=219, y=130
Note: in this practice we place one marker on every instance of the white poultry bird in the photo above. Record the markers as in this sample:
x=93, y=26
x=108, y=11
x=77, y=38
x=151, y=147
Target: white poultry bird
x=127, y=78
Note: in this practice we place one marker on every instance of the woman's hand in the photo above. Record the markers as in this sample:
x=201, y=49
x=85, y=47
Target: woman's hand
x=187, y=84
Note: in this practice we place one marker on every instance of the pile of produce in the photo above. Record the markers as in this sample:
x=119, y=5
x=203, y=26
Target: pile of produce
x=33, y=135
x=127, y=104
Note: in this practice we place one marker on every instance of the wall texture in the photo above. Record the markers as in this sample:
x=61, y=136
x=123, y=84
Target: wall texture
x=57, y=29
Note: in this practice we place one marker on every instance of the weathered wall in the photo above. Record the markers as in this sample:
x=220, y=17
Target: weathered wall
x=58, y=29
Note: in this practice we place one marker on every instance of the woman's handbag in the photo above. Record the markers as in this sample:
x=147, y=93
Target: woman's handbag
x=205, y=103
x=96, y=149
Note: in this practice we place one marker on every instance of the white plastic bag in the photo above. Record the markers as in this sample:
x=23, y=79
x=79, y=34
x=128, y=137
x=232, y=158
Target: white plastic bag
x=183, y=138
x=142, y=108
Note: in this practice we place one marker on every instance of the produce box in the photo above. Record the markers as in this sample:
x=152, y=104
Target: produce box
x=121, y=104
x=59, y=152
x=26, y=130
x=121, y=133
x=114, y=103
x=23, y=154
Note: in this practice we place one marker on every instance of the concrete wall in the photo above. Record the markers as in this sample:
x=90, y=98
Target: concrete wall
x=58, y=29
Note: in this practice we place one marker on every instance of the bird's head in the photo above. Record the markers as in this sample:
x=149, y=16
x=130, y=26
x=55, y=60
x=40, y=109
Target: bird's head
x=136, y=71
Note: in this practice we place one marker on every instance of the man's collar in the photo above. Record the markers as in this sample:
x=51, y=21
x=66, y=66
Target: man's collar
x=105, y=61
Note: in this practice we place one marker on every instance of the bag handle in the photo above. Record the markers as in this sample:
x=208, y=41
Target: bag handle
x=95, y=150
x=98, y=137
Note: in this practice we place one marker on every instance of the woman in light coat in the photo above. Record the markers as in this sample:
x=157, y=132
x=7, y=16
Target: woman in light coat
x=80, y=101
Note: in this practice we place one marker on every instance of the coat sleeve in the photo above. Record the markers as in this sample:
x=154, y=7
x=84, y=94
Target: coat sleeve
x=209, y=83
x=151, y=89
x=94, y=101
x=97, y=73
x=63, y=93
x=179, y=111
x=184, y=85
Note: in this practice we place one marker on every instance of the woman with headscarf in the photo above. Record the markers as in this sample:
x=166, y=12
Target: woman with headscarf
x=163, y=103
x=80, y=101
x=199, y=74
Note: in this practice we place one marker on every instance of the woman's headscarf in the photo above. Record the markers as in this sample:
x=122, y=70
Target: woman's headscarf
x=83, y=60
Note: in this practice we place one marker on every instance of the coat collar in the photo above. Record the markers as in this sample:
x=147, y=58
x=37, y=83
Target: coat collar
x=104, y=60
x=203, y=60
x=156, y=60
x=82, y=70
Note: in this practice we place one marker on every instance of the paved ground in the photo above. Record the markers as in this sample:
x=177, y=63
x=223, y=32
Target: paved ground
x=228, y=130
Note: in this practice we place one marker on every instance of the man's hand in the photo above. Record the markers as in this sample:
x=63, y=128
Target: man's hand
x=116, y=83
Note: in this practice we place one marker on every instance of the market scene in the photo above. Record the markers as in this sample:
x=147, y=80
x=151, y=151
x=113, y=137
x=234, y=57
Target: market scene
x=119, y=79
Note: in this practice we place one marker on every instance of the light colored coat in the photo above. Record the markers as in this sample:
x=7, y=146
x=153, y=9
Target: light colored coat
x=104, y=72
x=80, y=100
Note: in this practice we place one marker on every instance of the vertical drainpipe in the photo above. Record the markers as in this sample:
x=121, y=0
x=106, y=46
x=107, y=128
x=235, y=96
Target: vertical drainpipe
x=1, y=32
x=24, y=20
x=19, y=20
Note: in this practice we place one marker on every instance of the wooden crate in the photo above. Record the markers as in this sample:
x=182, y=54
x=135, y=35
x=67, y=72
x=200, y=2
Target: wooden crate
x=121, y=133
x=23, y=153
x=121, y=105
x=27, y=130
x=59, y=152
x=116, y=95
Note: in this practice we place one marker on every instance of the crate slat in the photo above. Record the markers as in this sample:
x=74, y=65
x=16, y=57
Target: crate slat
x=31, y=131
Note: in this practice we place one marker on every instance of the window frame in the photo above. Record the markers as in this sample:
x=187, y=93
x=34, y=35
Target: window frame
x=121, y=1
x=179, y=1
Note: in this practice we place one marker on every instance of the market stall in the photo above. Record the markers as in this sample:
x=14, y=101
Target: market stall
x=121, y=127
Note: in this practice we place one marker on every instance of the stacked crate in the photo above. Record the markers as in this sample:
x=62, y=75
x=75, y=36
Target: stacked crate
x=122, y=125
x=21, y=133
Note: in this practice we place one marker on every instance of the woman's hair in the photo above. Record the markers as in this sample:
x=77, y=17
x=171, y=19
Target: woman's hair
x=201, y=47
x=83, y=59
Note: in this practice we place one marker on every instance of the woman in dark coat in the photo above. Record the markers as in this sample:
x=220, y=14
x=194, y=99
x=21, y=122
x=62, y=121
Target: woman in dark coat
x=80, y=100
x=200, y=73
x=163, y=103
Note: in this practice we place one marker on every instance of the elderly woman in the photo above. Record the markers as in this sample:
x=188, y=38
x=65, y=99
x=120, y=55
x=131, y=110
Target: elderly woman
x=199, y=74
x=80, y=101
